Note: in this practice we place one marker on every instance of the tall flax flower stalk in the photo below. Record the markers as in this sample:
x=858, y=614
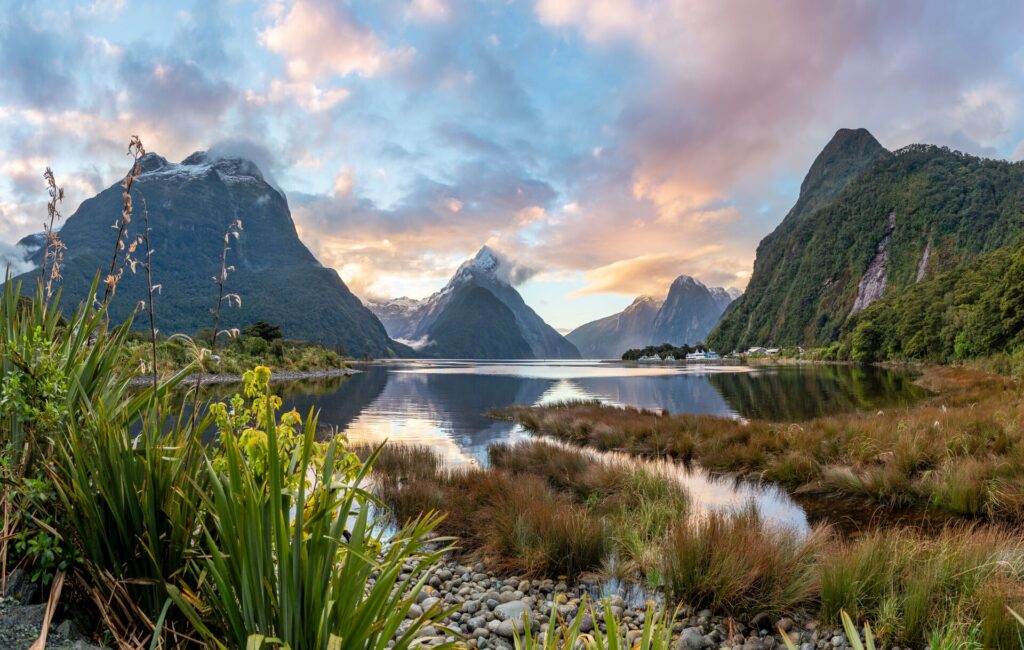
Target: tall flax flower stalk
x=53, y=256
x=152, y=288
x=233, y=232
x=121, y=245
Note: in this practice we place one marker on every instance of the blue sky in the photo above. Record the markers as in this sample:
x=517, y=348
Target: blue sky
x=607, y=146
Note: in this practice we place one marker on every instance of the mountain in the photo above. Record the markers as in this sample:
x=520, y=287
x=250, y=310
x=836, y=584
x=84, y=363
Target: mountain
x=422, y=324
x=867, y=223
x=686, y=315
x=609, y=337
x=689, y=312
x=476, y=325
x=190, y=206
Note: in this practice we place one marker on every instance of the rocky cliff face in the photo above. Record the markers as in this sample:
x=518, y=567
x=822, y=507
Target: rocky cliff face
x=190, y=205
x=872, y=284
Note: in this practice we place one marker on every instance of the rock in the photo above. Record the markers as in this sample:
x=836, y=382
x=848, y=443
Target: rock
x=20, y=587
x=509, y=627
x=481, y=633
x=586, y=623
x=471, y=606
x=511, y=610
x=426, y=631
x=68, y=629
x=429, y=602
x=760, y=621
x=785, y=624
x=415, y=611
x=838, y=640
x=692, y=639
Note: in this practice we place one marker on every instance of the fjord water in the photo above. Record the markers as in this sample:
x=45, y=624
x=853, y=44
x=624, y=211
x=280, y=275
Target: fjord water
x=444, y=405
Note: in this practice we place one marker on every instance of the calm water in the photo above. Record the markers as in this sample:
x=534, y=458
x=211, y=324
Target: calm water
x=443, y=404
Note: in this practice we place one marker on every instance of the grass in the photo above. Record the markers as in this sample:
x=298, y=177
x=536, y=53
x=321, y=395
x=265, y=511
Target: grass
x=961, y=451
x=539, y=507
x=238, y=355
x=548, y=508
x=905, y=583
x=734, y=562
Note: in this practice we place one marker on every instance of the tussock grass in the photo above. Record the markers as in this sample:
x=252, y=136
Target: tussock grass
x=961, y=451
x=735, y=562
x=539, y=507
x=913, y=587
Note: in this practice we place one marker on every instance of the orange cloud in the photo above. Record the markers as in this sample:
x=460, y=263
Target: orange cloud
x=651, y=274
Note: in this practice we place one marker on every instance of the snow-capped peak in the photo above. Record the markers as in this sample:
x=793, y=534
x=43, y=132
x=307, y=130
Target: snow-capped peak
x=493, y=265
x=198, y=165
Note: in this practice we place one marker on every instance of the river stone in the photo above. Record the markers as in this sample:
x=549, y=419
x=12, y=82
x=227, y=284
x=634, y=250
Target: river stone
x=471, y=606
x=692, y=639
x=586, y=623
x=511, y=610
x=415, y=611
x=20, y=587
x=509, y=627
x=429, y=602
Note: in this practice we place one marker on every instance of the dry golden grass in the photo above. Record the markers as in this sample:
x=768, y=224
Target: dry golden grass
x=961, y=451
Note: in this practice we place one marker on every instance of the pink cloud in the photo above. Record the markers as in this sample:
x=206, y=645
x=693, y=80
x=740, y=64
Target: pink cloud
x=321, y=38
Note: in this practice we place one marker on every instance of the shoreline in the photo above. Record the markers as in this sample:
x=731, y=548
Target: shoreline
x=489, y=605
x=235, y=378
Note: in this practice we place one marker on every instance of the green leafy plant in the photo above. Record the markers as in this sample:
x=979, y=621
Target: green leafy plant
x=291, y=557
x=656, y=633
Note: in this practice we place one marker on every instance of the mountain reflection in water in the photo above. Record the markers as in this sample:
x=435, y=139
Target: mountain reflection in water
x=444, y=405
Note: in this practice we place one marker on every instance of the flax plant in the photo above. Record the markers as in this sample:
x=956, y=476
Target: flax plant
x=300, y=564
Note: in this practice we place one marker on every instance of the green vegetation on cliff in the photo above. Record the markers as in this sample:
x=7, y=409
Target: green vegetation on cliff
x=941, y=209
x=977, y=310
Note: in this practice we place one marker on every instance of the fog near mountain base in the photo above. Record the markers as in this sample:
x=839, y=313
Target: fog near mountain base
x=12, y=259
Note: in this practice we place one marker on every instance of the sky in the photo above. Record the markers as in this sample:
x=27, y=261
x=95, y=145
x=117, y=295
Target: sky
x=605, y=146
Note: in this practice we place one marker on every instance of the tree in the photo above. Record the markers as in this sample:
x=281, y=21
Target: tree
x=264, y=330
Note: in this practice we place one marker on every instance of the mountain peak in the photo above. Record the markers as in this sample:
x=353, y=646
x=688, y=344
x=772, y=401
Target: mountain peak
x=687, y=280
x=231, y=169
x=486, y=259
x=849, y=151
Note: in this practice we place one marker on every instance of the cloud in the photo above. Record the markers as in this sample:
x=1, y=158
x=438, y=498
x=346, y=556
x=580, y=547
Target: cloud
x=653, y=273
x=319, y=38
x=513, y=271
x=12, y=259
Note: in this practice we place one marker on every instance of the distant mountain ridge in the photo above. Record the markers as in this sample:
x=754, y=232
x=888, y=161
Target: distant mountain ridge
x=684, y=316
x=869, y=222
x=426, y=324
x=190, y=204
